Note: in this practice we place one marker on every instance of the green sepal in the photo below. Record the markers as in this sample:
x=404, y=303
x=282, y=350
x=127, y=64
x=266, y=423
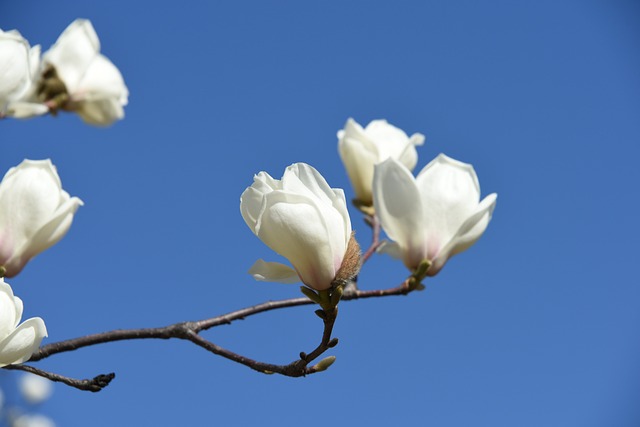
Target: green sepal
x=309, y=293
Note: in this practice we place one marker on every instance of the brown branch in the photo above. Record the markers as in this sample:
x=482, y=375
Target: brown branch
x=190, y=331
x=94, y=384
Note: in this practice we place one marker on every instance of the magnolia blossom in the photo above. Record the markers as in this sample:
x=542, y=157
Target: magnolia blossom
x=18, y=68
x=362, y=149
x=431, y=217
x=35, y=213
x=17, y=342
x=95, y=87
x=303, y=219
x=35, y=389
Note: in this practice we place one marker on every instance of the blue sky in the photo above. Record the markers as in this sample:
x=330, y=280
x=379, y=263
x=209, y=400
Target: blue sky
x=536, y=325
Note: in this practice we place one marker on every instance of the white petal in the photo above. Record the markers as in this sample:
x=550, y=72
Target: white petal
x=20, y=345
x=73, y=52
x=8, y=312
x=273, y=272
x=25, y=110
x=397, y=203
x=359, y=156
x=54, y=230
x=15, y=76
x=390, y=248
x=468, y=234
x=294, y=226
x=102, y=80
x=100, y=112
x=450, y=193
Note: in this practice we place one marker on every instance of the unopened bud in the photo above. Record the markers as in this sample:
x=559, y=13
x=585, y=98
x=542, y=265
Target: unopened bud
x=324, y=364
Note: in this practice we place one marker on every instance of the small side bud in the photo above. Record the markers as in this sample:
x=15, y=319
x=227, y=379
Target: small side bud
x=321, y=314
x=310, y=294
x=336, y=295
x=332, y=343
x=303, y=355
x=324, y=364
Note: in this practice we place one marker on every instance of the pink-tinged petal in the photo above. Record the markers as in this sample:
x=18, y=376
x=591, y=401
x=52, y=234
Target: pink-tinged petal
x=450, y=192
x=397, y=204
x=273, y=272
x=22, y=342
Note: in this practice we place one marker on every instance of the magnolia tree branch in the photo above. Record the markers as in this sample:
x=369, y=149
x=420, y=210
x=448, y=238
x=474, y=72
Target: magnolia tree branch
x=190, y=331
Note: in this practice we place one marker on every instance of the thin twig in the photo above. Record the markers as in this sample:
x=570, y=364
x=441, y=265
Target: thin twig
x=189, y=331
x=374, y=223
x=94, y=384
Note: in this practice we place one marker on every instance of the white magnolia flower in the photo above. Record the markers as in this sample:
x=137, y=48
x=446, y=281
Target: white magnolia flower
x=303, y=219
x=35, y=389
x=33, y=420
x=17, y=341
x=35, y=213
x=361, y=149
x=431, y=217
x=95, y=86
x=18, y=68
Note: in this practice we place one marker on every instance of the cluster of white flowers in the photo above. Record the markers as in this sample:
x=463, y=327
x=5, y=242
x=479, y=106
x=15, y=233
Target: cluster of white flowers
x=429, y=218
x=71, y=76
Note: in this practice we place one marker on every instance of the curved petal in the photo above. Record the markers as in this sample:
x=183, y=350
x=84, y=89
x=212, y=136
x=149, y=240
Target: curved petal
x=100, y=112
x=295, y=227
x=73, y=52
x=250, y=206
x=48, y=235
x=8, y=311
x=102, y=80
x=397, y=203
x=273, y=272
x=15, y=75
x=409, y=157
x=304, y=179
x=450, y=192
x=21, y=343
x=390, y=248
x=359, y=156
x=25, y=110
x=468, y=234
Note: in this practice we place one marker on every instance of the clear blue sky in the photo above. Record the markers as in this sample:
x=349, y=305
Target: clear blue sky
x=536, y=325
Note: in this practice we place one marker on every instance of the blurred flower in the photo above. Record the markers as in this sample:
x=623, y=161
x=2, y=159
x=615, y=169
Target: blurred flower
x=18, y=68
x=303, y=219
x=77, y=77
x=361, y=149
x=35, y=389
x=33, y=420
x=17, y=343
x=431, y=217
x=35, y=213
